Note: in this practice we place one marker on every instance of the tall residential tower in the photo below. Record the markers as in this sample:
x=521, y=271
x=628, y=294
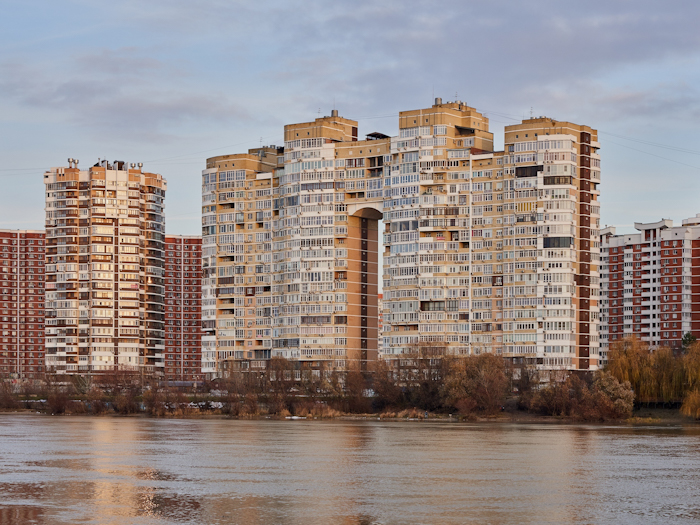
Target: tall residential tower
x=105, y=233
x=483, y=251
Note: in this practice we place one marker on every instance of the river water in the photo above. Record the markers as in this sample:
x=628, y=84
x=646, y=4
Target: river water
x=109, y=470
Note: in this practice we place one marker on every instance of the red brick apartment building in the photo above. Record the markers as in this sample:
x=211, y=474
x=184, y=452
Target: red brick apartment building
x=650, y=283
x=22, y=304
x=183, y=308
x=22, y=354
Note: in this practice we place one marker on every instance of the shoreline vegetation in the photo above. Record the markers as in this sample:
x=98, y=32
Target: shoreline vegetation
x=639, y=386
x=639, y=417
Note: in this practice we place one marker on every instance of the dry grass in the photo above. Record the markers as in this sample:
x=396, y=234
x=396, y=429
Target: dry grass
x=413, y=413
x=317, y=410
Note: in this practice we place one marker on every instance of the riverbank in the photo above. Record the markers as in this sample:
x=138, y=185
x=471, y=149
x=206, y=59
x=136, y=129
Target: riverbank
x=642, y=416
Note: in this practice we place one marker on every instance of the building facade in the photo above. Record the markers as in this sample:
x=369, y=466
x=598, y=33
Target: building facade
x=492, y=251
x=21, y=304
x=380, y=324
x=183, y=308
x=105, y=233
x=650, y=283
x=237, y=215
x=483, y=251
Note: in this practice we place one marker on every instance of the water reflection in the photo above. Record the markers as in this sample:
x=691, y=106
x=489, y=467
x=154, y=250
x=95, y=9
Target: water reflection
x=135, y=470
x=20, y=515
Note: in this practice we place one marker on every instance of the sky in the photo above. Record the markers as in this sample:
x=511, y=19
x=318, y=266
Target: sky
x=170, y=83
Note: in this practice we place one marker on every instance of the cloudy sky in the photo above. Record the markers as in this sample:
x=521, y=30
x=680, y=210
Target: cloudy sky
x=169, y=83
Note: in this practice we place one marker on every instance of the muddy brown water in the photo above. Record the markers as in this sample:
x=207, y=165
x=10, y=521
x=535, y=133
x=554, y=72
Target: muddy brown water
x=68, y=470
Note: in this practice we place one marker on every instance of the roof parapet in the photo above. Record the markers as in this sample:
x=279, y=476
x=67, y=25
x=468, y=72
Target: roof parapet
x=692, y=221
x=663, y=224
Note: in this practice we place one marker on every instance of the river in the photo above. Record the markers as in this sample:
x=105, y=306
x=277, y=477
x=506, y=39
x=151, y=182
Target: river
x=111, y=470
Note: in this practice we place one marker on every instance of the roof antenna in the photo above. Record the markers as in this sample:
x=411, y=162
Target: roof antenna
x=530, y=111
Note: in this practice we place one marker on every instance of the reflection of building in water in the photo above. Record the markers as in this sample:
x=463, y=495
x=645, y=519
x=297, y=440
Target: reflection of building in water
x=21, y=304
x=483, y=251
x=115, y=490
x=122, y=486
x=21, y=514
x=330, y=463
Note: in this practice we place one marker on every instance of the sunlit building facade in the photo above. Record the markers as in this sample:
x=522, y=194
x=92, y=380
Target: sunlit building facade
x=492, y=251
x=237, y=217
x=105, y=233
x=483, y=251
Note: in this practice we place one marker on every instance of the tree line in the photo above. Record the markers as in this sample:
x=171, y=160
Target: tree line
x=411, y=384
x=660, y=376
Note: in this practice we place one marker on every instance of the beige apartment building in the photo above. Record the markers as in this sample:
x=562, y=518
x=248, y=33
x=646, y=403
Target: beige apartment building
x=483, y=251
x=105, y=232
x=237, y=215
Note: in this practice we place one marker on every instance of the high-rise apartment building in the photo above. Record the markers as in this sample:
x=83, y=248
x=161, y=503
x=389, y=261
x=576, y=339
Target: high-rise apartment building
x=21, y=304
x=237, y=215
x=105, y=233
x=183, y=308
x=649, y=283
x=483, y=251
x=500, y=249
x=326, y=245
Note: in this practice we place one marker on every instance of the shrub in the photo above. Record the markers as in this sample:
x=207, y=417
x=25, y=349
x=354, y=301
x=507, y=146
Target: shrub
x=154, y=403
x=388, y=392
x=466, y=405
x=615, y=399
x=126, y=403
x=7, y=398
x=475, y=383
x=76, y=406
x=96, y=402
x=250, y=406
x=57, y=401
x=586, y=398
x=691, y=404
